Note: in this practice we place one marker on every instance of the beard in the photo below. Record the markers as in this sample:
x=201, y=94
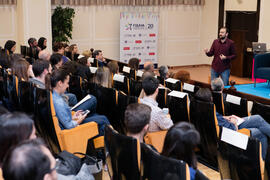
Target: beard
x=222, y=37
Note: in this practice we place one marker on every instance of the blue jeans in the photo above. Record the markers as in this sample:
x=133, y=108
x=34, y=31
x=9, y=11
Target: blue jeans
x=259, y=129
x=72, y=99
x=91, y=105
x=225, y=75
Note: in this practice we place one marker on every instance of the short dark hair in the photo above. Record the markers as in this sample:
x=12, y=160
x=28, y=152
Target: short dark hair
x=95, y=53
x=149, y=85
x=14, y=128
x=227, y=30
x=204, y=94
x=39, y=66
x=180, y=141
x=41, y=43
x=31, y=41
x=55, y=58
x=26, y=161
x=57, y=46
x=58, y=75
x=136, y=117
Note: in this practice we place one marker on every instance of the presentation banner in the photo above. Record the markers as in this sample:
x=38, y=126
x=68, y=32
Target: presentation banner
x=139, y=36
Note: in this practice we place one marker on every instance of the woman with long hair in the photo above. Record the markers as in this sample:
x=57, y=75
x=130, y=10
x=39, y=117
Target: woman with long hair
x=42, y=43
x=10, y=46
x=180, y=142
x=22, y=69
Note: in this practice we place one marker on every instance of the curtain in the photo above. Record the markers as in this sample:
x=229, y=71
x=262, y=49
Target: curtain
x=127, y=2
x=8, y=2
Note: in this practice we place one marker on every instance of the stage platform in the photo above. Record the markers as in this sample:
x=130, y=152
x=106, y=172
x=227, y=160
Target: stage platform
x=261, y=90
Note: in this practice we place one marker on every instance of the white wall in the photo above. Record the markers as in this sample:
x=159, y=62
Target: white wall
x=183, y=31
x=8, y=26
x=241, y=5
x=264, y=25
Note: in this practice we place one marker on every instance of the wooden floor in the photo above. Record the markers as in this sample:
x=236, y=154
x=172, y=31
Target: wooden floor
x=202, y=74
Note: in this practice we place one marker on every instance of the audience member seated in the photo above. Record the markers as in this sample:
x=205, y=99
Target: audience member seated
x=42, y=43
x=148, y=66
x=58, y=47
x=34, y=49
x=59, y=84
x=159, y=120
x=14, y=128
x=83, y=68
x=73, y=54
x=44, y=54
x=98, y=55
x=40, y=68
x=256, y=124
x=163, y=72
x=87, y=54
x=30, y=160
x=217, y=85
x=10, y=47
x=56, y=60
x=103, y=77
x=5, y=61
x=113, y=67
x=137, y=118
x=182, y=75
x=22, y=69
x=180, y=143
x=134, y=63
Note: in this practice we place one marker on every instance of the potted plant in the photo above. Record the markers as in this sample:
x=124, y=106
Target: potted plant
x=62, y=24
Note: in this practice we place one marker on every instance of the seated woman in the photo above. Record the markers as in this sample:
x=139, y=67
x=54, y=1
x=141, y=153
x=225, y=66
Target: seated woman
x=256, y=124
x=180, y=142
x=103, y=77
x=14, y=128
x=59, y=84
x=42, y=43
x=22, y=69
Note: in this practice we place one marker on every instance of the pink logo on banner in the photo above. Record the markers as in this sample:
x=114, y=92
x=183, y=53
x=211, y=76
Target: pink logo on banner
x=126, y=48
x=151, y=54
x=138, y=41
x=152, y=35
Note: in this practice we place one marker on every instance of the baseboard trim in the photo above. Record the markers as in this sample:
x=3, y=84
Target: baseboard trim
x=190, y=66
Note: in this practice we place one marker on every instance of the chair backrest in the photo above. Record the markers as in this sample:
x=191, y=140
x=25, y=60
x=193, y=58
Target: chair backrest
x=236, y=105
x=135, y=87
x=77, y=87
x=173, y=84
x=261, y=109
x=203, y=116
x=25, y=97
x=162, y=97
x=156, y=166
x=218, y=101
x=124, y=155
x=261, y=61
x=156, y=139
x=243, y=163
x=121, y=86
x=178, y=106
x=43, y=118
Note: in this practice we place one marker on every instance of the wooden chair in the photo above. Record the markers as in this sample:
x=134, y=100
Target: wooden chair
x=135, y=87
x=124, y=158
x=155, y=166
x=173, y=84
x=241, y=163
x=121, y=85
x=218, y=101
x=178, y=103
x=75, y=139
x=236, y=105
x=162, y=97
x=156, y=139
x=261, y=109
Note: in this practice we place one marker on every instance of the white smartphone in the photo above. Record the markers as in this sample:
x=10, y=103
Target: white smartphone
x=85, y=112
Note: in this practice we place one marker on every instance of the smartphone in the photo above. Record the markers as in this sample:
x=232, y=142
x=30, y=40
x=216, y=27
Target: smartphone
x=85, y=112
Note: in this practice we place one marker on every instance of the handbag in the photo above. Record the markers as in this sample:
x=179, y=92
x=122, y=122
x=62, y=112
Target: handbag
x=68, y=163
x=94, y=164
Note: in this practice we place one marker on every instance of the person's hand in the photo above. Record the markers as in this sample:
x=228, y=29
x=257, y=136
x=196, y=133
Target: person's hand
x=206, y=50
x=222, y=57
x=79, y=117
